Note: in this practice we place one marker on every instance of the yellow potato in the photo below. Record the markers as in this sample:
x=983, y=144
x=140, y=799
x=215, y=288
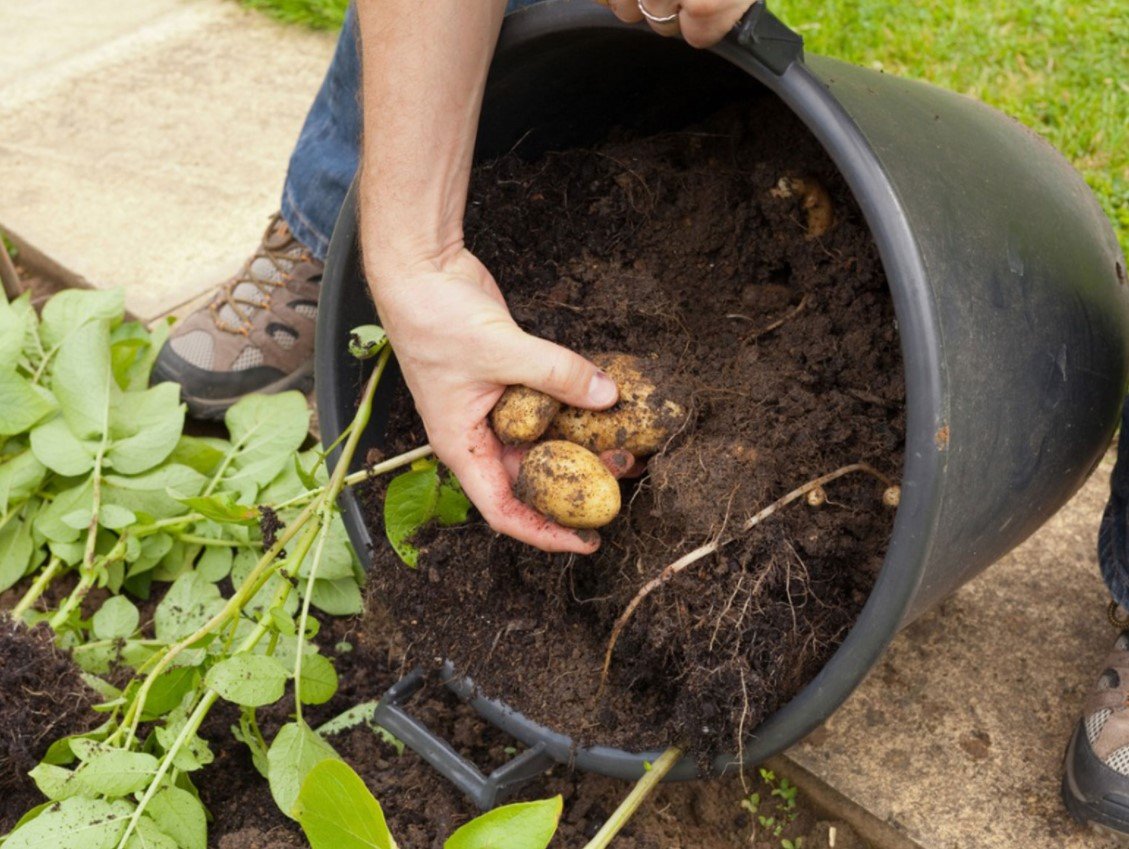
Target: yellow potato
x=641, y=421
x=814, y=197
x=522, y=414
x=569, y=484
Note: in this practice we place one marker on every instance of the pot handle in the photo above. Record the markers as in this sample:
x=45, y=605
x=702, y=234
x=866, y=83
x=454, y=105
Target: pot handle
x=769, y=40
x=484, y=790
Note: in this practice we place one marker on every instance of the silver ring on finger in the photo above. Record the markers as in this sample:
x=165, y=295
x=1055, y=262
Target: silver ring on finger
x=657, y=19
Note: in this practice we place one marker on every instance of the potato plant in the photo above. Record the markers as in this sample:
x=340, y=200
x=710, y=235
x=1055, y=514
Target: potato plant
x=100, y=488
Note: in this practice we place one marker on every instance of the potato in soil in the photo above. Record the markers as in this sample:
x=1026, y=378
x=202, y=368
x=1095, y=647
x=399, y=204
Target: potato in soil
x=569, y=484
x=645, y=417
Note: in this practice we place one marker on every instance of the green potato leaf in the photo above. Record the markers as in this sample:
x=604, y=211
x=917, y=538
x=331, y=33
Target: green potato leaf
x=57, y=448
x=417, y=497
x=265, y=431
x=83, y=381
x=144, y=428
x=22, y=403
x=337, y=811
x=117, y=618
x=21, y=473
x=17, y=324
x=204, y=454
x=222, y=508
x=250, y=680
x=148, y=835
x=115, y=773
x=72, y=309
x=319, y=679
x=181, y=816
x=526, y=825
x=49, y=521
x=75, y=823
x=340, y=597
x=366, y=341
x=54, y=782
x=16, y=550
x=296, y=750
x=190, y=602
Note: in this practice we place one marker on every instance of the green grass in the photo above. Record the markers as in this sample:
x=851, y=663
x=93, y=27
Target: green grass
x=1057, y=66
x=316, y=14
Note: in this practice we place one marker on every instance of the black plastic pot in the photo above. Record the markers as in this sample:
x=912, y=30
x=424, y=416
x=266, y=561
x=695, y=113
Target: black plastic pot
x=1007, y=281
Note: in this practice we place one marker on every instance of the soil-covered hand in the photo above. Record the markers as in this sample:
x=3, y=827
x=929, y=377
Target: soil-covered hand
x=701, y=23
x=458, y=348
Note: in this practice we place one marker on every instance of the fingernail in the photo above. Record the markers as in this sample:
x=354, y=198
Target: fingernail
x=602, y=390
x=588, y=536
x=622, y=460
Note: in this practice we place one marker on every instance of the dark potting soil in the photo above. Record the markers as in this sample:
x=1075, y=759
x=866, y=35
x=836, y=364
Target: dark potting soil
x=677, y=246
x=42, y=698
x=423, y=808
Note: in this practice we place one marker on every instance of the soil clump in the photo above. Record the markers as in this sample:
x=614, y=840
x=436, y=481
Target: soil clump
x=42, y=698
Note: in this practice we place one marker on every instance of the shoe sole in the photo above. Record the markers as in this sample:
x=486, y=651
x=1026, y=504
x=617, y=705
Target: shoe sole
x=213, y=409
x=1102, y=815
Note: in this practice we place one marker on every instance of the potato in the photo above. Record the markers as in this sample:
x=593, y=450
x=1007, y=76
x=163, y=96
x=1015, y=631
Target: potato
x=814, y=197
x=641, y=421
x=569, y=484
x=522, y=414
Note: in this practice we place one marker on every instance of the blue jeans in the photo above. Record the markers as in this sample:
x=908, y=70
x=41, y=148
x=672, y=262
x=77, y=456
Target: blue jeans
x=328, y=150
x=1113, y=533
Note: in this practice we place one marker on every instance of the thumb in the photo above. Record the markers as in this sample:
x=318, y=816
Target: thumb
x=557, y=371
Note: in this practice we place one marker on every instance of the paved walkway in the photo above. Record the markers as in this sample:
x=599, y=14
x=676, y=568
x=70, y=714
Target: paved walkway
x=143, y=143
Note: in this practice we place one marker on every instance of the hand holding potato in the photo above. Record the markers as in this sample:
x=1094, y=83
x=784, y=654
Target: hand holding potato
x=563, y=478
x=458, y=348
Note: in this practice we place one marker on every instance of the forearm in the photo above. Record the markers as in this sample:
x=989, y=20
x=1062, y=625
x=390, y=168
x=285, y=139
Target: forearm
x=425, y=64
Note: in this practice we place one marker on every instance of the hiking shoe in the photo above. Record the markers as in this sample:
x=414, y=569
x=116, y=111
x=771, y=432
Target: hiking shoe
x=256, y=335
x=1095, y=784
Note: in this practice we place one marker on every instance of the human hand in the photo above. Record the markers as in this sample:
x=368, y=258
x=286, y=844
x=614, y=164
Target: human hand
x=701, y=23
x=458, y=348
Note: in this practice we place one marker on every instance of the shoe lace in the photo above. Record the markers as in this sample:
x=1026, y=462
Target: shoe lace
x=244, y=307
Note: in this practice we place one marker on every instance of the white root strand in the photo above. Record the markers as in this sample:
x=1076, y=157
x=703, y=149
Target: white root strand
x=709, y=548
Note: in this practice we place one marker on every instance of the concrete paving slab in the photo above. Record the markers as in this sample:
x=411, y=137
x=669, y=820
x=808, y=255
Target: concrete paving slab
x=153, y=160
x=956, y=738
x=40, y=36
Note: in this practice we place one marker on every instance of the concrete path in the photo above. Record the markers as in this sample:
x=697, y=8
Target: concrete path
x=143, y=143
x=956, y=738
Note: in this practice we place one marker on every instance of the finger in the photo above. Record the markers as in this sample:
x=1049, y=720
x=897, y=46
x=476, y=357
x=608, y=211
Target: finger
x=554, y=370
x=618, y=462
x=661, y=9
x=706, y=26
x=636, y=471
x=626, y=10
x=512, y=455
x=485, y=482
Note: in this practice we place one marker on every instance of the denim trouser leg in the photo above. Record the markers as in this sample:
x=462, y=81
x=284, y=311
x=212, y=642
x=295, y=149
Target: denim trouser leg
x=328, y=150
x=1113, y=534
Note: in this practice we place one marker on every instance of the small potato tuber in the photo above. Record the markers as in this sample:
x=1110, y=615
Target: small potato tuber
x=814, y=197
x=569, y=484
x=641, y=422
x=522, y=414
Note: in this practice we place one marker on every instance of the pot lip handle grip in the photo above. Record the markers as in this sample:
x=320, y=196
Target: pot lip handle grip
x=768, y=39
x=485, y=791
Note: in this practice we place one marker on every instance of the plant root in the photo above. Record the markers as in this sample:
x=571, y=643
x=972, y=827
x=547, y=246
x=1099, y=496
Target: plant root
x=688, y=559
